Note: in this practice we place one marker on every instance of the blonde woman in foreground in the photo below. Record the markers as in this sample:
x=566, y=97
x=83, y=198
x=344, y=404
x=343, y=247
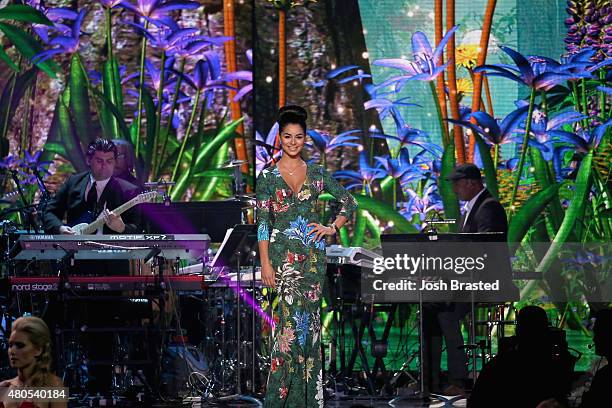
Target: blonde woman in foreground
x=30, y=353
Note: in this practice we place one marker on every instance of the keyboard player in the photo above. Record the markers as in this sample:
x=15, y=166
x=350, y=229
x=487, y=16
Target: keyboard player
x=85, y=196
x=82, y=199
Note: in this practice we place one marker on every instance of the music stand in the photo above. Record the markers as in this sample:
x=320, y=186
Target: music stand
x=504, y=270
x=193, y=217
x=239, y=248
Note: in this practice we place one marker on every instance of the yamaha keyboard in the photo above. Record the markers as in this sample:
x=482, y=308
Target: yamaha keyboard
x=107, y=247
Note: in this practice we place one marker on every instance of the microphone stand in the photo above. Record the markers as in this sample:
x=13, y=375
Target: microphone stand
x=45, y=194
x=423, y=394
x=26, y=209
x=253, y=257
x=41, y=185
x=241, y=250
x=19, y=189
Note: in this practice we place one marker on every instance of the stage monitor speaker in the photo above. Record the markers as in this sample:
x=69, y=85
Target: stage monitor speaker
x=196, y=217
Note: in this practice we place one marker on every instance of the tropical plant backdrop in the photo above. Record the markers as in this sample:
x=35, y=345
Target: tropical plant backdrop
x=429, y=84
x=172, y=78
x=398, y=91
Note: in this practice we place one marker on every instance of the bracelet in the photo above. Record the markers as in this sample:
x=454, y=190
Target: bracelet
x=335, y=227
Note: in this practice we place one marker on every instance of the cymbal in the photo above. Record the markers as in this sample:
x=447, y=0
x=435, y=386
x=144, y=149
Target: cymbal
x=9, y=198
x=245, y=204
x=267, y=146
x=247, y=198
x=233, y=163
x=244, y=197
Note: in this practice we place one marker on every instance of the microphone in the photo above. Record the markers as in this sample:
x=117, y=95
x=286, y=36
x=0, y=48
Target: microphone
x=167, y=199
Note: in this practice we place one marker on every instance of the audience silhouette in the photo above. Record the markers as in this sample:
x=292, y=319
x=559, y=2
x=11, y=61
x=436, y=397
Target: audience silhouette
x=532, y=371
x=602, y=381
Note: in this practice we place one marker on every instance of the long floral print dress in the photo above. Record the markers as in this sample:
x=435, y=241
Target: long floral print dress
x=296, y=375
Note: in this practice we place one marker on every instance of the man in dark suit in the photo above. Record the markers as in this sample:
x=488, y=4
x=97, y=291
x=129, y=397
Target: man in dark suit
x=483, y=213
x=85, y=196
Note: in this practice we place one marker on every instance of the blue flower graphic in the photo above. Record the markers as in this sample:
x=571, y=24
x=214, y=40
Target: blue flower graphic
x=299, y=229
x=302, y=322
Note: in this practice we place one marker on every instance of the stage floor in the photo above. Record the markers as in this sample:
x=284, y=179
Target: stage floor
x=345, y=403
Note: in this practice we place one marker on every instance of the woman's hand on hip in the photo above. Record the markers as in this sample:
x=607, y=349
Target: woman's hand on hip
x=320, y=230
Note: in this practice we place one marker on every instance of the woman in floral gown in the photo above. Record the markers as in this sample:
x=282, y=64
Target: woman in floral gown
x=292, y=250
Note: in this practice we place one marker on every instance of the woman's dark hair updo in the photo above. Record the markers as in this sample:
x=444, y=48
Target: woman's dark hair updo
x=291, y=114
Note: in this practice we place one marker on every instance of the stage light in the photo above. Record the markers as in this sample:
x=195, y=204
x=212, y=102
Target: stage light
x=417, y=7
x=372, y=128
x=333, y=66
x=272, y=51
x=365, y=31
x=365, y=55
x=531, y=169
x=429, y=114
x=360, y=148
x=390, y=224
x=355, y=83
x=431, y=15
x=268, y=79
x=486, y=130
x=375, y=188
x=410, y=14
x=340, y=110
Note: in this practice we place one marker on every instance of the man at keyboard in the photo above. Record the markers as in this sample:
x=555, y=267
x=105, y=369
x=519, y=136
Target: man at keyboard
x=82, y=199
x=483, y=213
x=92, y=194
